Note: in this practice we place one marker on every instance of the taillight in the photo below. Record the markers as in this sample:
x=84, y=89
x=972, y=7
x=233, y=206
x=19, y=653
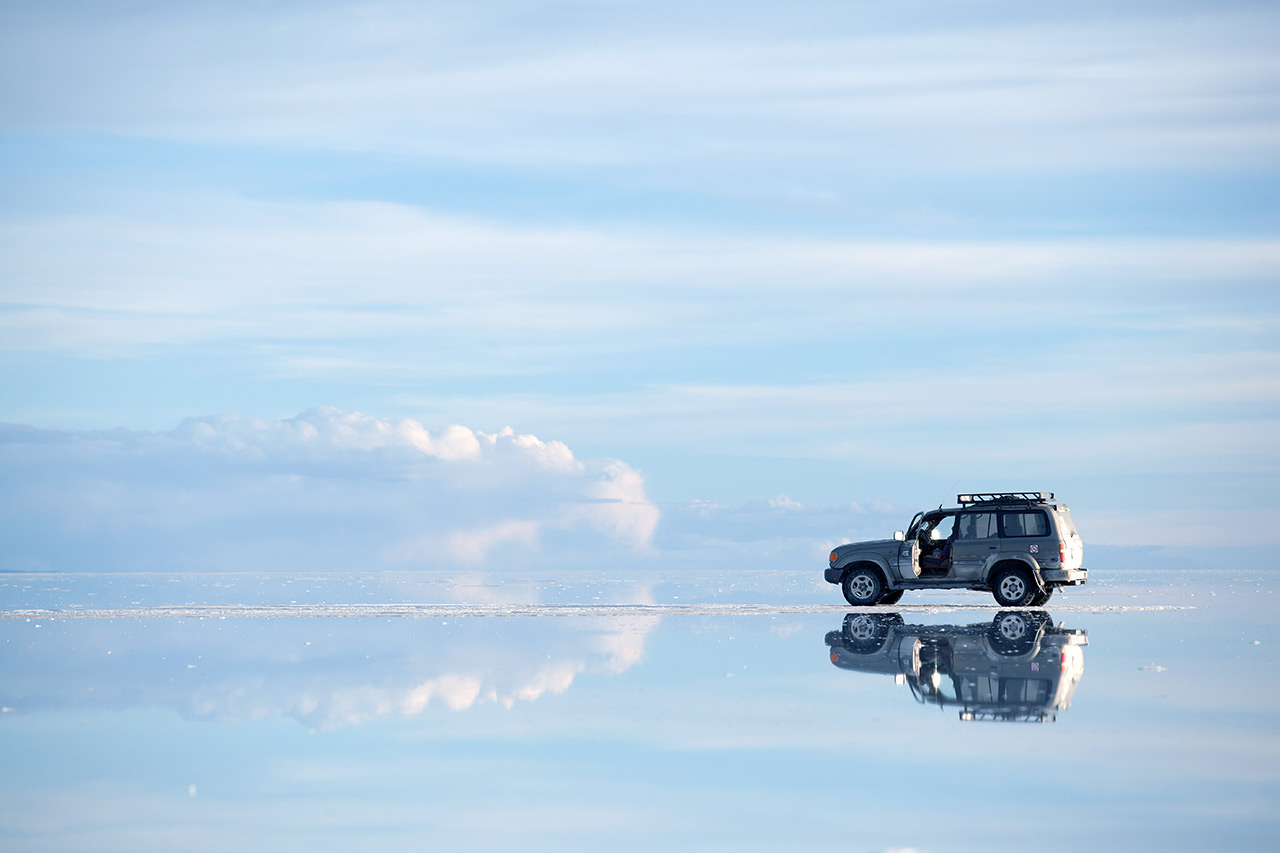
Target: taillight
x=1062, y=553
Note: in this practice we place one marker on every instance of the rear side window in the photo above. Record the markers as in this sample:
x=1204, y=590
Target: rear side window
x=977, y=525
x=1030, y=523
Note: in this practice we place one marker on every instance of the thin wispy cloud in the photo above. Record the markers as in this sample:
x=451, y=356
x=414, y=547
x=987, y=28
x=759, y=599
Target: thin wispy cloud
x=250, y=270
x=649, y=85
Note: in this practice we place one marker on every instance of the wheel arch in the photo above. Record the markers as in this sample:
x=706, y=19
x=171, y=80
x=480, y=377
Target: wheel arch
x=867, y=562
x=1002, y=563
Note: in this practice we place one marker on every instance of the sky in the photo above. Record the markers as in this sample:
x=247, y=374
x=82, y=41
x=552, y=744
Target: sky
x=483, y=284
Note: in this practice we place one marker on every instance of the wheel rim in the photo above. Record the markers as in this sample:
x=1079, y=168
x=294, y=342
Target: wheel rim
x=862, y=628
x=1013, y=588
x=1013, y=627
x=862, y=587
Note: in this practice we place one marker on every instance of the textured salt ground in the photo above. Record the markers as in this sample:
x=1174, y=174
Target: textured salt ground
x=366, y=611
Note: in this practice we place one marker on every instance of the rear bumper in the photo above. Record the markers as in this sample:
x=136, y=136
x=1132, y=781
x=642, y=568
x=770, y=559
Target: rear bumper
x=1065, y=577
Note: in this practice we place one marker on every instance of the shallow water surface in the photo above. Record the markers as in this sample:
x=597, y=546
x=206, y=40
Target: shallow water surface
x=682, y=711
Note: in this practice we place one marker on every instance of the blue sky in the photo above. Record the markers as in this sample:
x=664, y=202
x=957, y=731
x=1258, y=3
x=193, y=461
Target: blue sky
x=812, y=268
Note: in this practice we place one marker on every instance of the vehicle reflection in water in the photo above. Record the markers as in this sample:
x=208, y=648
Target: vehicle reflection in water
x=1017, y=667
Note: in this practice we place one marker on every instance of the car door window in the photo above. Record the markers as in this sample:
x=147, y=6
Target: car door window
x=946, y=524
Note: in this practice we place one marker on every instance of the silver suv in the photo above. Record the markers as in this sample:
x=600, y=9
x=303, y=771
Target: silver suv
x=1020, y=546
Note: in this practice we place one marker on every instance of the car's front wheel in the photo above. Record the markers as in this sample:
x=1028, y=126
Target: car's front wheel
x=862, y=587
x=1013, y=587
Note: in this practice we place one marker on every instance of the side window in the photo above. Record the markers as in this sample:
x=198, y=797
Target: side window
x=1032, y=523
x=977, y=525
x=946, y=524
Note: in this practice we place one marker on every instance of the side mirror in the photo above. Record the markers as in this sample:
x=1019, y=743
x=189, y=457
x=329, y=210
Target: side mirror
x=899, y=535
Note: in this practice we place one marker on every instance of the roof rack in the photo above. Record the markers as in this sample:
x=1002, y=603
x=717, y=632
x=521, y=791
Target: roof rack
x=1009, y=716
x=1003, y=497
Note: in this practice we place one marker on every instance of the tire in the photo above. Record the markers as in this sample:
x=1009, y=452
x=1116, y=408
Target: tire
x=1043, y=597
x=893, y=596
x=1014, y=632
x=866, y=632
x=862, y=587
x=1013, y=587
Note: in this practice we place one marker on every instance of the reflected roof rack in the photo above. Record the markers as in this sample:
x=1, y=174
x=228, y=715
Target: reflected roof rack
x=1009, y=716
x=1003, y=497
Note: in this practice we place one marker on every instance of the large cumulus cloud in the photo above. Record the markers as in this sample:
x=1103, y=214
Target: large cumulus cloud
x=327, y=489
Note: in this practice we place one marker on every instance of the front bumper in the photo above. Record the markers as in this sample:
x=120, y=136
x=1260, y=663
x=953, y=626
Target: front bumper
x=1065, y=577
x=834, y=575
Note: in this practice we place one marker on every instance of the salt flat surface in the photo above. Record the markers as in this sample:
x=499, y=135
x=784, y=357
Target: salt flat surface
x=678, y=710
x=423, y=611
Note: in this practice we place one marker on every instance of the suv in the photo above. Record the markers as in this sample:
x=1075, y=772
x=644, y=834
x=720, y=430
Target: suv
x=1020, y=546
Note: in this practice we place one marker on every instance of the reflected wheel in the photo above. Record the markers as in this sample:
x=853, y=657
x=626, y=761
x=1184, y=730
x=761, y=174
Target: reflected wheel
x=866, y=632
x=1014, y=632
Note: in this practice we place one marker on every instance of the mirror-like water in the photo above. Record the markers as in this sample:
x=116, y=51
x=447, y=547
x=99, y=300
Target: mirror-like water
x=721, y=710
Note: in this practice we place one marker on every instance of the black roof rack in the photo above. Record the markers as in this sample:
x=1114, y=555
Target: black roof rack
x=1003, y=497
x=1009, y=715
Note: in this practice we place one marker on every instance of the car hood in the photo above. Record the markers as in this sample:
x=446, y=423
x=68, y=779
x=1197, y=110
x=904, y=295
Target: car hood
x=870, y=545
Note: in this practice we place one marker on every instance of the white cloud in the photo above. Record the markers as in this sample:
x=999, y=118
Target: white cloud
x=322, y=432
x=473, y=546
x=621, y=508
x=324, y=489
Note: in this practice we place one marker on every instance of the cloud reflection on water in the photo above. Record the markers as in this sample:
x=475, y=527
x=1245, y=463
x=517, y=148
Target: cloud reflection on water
x=325, y=673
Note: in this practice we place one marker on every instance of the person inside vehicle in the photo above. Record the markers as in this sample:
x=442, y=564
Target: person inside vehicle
x=935, y=558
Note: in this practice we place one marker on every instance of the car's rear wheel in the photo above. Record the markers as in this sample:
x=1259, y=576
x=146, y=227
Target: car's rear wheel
x=1013, y=587
x=862, y=587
